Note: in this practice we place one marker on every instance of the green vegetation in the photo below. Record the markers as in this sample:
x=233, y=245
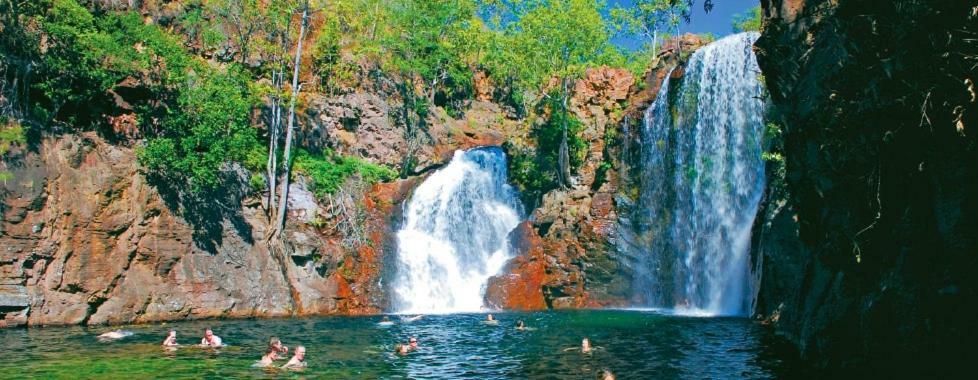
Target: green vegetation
x=11, y=134
x=329, y=171
x=649, y=19
x=749, y=21
x=198, y=77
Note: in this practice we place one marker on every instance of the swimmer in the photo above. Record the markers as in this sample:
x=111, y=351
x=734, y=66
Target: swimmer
x=586, y=346
x=385, y=321
x=402, y=349
x=275, y=344
x=171, y=339
x=267, y=360
x=520, y=325
x=413, y=343
x=607, y=375
x=490, y=320
x=298, y=359
x=211, y=340
x=113, y=335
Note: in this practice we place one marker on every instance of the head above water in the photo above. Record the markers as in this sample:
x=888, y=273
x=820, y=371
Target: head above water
x=413, y=341
x=520, y=323
x=586, y=344
x=274, y=342
x=172, y=333
x=300, y=352
x=490, y=318
x=208, y=333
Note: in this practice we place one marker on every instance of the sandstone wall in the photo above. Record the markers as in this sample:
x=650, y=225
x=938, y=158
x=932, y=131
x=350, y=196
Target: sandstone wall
x=88, y=239
x=869, y=260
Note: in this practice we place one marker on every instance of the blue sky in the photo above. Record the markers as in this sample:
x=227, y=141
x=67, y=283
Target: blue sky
x=716, y=22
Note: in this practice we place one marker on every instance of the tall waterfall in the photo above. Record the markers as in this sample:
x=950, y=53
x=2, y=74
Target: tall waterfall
x=702, y=180
x=454, y=235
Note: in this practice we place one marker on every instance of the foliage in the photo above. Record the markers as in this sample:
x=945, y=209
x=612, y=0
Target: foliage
x=648, y=19
x=209, y=128
x=749, y=21
x=550, y=38
x=329, y=171
x=534, y=171
x=11, y=133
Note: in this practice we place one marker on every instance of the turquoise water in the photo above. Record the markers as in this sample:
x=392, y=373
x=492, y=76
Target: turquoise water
x=632, y=344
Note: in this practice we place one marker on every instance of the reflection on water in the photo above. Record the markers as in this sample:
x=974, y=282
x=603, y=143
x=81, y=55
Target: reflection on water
x=632, y=344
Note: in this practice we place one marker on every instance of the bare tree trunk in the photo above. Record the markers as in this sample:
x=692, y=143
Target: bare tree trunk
x=284, y=199
x=273, y=133
x=563, y=154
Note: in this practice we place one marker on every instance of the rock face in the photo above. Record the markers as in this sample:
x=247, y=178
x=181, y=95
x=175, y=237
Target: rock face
x=567, y=254
x=869, y=259
x=87, y=239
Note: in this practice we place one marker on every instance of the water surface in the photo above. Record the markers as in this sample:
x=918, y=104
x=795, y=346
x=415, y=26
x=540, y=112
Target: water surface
x=632, y=344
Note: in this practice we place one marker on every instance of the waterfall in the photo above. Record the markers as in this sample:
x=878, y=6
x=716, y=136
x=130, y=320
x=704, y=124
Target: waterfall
x=454, y=235
x=701, y=182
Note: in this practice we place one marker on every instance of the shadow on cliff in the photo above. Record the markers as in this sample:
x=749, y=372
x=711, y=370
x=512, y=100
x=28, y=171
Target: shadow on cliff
x=207, y=211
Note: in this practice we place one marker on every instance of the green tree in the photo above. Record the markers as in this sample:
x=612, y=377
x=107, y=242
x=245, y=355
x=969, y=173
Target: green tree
x=553, y=39
x=749, y=21
x=648, y=19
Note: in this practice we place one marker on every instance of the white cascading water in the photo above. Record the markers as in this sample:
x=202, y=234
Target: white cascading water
x=702, y=181
x=454, y=235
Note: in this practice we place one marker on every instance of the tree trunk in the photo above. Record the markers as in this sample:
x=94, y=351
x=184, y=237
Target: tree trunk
x=563, y=155
x=273, y=132
x=287, y=164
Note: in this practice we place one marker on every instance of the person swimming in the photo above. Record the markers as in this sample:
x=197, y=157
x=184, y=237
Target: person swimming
x=211, y=340
x=385, y=321
x=520, y=325
x=274, y=344
x=586, y=346
x=413, y=343
x=113, y=335
x=298, y=359
x=402, y=349
x=266, y=361
x=490, y=320
x=607, y=375
x=171, y=339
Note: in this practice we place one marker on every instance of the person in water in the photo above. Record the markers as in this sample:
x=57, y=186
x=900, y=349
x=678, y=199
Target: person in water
x=520, y=325
x=298, y=359
x=113, y=335
x=586, y=346
x=171, y=339
x=275, y=344
x=413, y=343
x=489, y=318
x=270, y=357
x=211, y=340
x=402, y=349
x=607, y=375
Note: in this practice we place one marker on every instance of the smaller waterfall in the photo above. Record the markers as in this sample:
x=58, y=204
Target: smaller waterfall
x=702, y=181
x=454, y=235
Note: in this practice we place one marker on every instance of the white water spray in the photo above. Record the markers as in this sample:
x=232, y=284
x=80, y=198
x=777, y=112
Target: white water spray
x=703, y=180
x=454, y=235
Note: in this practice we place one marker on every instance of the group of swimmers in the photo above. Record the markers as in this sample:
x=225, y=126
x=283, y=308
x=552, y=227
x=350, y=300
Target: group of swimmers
x=276, y=350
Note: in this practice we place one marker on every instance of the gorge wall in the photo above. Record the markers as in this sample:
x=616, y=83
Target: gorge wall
x=868, y=246
x=88, y=238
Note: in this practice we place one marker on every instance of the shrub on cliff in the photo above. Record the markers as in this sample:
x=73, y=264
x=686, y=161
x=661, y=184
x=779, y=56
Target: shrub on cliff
x=329, y=171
